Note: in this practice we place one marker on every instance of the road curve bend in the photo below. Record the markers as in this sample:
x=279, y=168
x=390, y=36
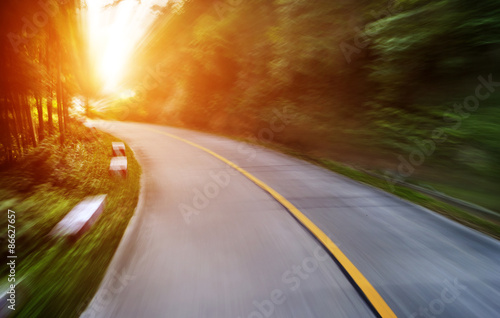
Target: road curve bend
x=206, y=241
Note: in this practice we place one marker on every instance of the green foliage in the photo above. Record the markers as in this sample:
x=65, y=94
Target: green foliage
x=425, y=59
x=59, y=279
x=231, y=65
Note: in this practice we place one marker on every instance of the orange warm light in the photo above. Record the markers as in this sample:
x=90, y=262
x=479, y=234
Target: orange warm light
x=114, y=32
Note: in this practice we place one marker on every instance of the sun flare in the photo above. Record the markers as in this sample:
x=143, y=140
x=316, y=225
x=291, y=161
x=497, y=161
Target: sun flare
x=114, y=33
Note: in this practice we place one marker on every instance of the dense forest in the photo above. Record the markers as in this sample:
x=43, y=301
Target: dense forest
x=41, y=56
x=407, y=88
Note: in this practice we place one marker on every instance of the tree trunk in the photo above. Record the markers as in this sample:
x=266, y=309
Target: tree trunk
x=50, y=90
x=65, y=104
x=19, y=122
x=38, y=98
x=29, y=121
x=40, y=118
x=15, y=123
x=50, y=108
x=5, y=130
x=60, y=118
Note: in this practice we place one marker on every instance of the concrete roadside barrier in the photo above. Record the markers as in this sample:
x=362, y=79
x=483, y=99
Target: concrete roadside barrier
x=118, y=149
x=81, y=218
x=118, y=167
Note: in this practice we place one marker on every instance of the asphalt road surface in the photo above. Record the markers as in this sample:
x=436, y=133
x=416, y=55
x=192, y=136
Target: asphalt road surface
x=208, y=242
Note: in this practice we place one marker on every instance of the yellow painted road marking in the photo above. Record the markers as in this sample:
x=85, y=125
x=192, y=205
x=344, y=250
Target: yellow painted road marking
x=373, y=296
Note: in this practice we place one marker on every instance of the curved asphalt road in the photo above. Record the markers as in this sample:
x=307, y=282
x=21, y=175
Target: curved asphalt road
x=207, y=242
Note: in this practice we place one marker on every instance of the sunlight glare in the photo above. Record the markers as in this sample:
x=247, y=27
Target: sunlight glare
x=127, y=94
x=114, y=33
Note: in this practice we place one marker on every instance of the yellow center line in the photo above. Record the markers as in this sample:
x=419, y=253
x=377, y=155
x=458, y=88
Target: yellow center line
x=371, y=294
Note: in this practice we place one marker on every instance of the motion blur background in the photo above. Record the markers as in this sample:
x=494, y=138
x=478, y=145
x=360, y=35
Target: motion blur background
x=404, y=90
x=363, y=82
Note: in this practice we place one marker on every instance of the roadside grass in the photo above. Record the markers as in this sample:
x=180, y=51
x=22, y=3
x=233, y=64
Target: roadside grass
x=459, y=215
x=472, y=193
x=56, y=278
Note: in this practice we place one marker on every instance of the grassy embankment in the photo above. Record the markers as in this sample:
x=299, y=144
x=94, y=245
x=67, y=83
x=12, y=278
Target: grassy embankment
x=56, y=278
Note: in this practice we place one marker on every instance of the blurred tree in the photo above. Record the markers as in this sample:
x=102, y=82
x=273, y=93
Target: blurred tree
x=40, y=43
x=363, y=77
